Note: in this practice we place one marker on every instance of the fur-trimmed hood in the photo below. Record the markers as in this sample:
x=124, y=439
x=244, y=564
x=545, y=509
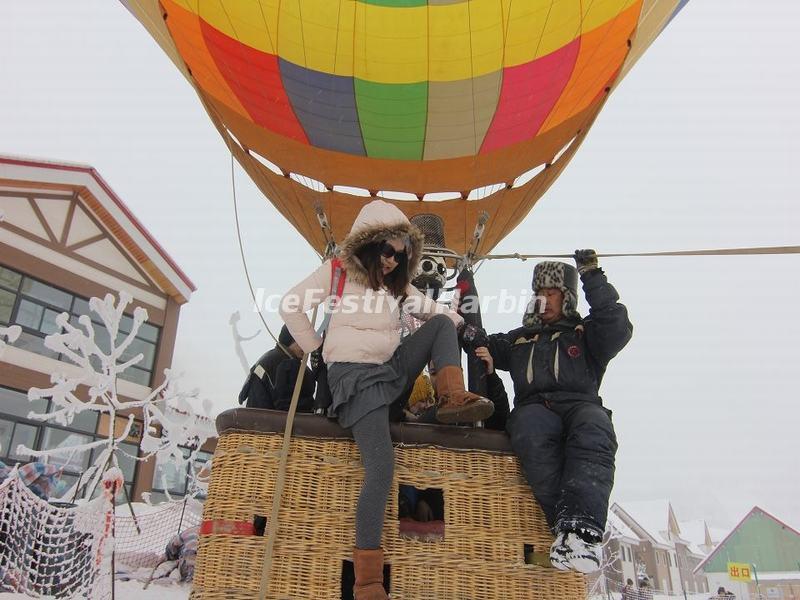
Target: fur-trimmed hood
x=376, y=222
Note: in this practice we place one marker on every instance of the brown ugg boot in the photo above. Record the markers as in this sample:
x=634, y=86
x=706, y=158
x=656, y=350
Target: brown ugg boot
x=368, y=565
x=457, y=405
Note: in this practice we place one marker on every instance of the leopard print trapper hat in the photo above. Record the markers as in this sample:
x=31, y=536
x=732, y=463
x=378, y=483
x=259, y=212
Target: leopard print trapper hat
x=554, y=274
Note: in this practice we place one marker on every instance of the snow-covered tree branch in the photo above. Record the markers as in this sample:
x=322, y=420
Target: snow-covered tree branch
x=10, y=334
x=169, y=416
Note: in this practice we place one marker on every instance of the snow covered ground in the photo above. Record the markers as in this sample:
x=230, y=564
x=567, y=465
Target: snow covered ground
x=132, y=590
x=703, y=596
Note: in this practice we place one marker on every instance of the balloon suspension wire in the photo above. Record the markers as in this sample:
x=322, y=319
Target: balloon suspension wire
x=244, y=261
x=768, y=250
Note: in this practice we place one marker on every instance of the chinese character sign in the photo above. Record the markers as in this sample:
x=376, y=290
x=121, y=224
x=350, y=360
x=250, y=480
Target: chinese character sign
x=739, y=571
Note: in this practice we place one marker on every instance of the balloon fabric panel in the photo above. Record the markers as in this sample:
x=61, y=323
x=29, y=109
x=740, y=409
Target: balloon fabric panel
x=602, y=53
x=256, y=79
x=326, y=107
x=529, y=93
x=398, y=54
x=417, y=96
x=392, y=118
x=184, y=27
x=459, y=115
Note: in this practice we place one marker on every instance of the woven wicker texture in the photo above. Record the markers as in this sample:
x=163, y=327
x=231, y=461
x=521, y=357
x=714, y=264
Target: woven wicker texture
x=489, y=517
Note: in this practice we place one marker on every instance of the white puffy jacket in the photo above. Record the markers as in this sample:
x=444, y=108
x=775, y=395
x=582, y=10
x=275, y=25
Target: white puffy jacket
x=366, y=327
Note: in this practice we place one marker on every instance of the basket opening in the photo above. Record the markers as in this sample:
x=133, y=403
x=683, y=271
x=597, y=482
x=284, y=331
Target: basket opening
x=259, y=525
x=420, y=513
x=540, y=557
x=349, y=579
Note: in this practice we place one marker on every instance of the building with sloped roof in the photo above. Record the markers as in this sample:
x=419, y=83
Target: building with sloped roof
x=661, y=553
x=67, y=237
x=769, y=546
x=622, y=543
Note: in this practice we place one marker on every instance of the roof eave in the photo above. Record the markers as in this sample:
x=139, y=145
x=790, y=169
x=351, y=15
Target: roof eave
x=99, y=189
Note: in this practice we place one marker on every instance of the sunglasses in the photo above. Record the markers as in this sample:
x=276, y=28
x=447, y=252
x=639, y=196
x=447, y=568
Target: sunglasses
x=389, y=251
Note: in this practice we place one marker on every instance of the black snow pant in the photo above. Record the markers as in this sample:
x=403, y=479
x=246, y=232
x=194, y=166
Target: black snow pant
x=567, y=450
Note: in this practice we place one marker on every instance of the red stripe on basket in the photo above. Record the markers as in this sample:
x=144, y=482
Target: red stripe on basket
x=223, y=527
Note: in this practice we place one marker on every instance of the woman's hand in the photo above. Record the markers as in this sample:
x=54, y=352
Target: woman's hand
x=483, y=354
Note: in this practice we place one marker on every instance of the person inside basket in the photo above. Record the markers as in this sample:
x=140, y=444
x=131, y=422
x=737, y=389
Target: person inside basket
x=420, y=407
x=559, y=428
x=271, y=381
x=369, y=368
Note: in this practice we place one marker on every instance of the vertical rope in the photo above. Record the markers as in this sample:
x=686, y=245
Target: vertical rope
x=272, y=525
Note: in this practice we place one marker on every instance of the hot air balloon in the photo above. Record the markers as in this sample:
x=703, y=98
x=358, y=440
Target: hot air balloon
x=446, y=107
x=462, y=113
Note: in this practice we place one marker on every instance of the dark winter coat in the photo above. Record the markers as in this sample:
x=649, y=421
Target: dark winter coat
x=496, y=392
x=566, y=360
x=270, y=383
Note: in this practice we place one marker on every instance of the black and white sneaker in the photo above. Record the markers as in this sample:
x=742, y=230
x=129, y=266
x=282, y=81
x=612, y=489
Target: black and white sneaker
x=571, y=552
x=559, y=552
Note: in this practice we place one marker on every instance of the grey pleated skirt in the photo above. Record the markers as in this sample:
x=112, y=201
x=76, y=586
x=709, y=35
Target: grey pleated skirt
x=360, y=388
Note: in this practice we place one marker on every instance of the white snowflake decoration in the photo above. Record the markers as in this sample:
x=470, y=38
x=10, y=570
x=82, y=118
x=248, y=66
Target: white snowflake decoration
x=9, y=333
x=165, y=405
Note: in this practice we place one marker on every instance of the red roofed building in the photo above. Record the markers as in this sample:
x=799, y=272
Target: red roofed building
x=64, y=238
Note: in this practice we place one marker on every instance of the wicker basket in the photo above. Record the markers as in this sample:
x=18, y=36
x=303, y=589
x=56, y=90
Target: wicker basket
x=489, y=515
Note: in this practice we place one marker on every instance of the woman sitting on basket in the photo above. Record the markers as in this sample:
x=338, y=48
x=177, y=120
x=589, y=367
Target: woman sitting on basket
x=368, y=367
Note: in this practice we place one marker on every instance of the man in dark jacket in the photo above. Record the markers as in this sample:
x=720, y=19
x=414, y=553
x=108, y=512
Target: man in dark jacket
x=559, y=428
x=271, y=381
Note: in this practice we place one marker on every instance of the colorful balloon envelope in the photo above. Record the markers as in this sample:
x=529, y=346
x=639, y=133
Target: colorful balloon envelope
x=445, y=107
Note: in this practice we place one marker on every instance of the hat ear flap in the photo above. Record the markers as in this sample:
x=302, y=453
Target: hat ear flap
x=569, y=306
x=531, y=316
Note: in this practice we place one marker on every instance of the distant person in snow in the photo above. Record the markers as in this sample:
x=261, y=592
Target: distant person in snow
x=271, y=381
x=628, y=592
x=559, y=428
x=645, y=591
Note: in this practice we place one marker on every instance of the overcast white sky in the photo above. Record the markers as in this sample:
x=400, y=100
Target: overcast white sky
x=698, y=148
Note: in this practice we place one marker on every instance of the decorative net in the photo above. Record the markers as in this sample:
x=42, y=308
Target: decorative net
x=47, y=549
x=157, y=527
x=64, y=551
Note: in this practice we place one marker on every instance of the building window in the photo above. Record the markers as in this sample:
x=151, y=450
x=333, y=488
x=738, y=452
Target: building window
x=16, y=429
x=34, y=306
x=175, y=480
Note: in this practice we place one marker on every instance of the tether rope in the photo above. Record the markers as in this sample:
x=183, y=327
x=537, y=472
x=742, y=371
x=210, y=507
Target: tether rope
x=712, y=252
x=244, y=261
x=280, y=478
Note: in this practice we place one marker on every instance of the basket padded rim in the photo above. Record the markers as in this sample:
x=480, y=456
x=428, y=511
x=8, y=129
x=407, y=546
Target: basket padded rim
x=262, y=420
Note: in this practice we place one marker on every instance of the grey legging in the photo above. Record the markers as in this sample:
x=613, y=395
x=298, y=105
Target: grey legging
x=435, y=340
